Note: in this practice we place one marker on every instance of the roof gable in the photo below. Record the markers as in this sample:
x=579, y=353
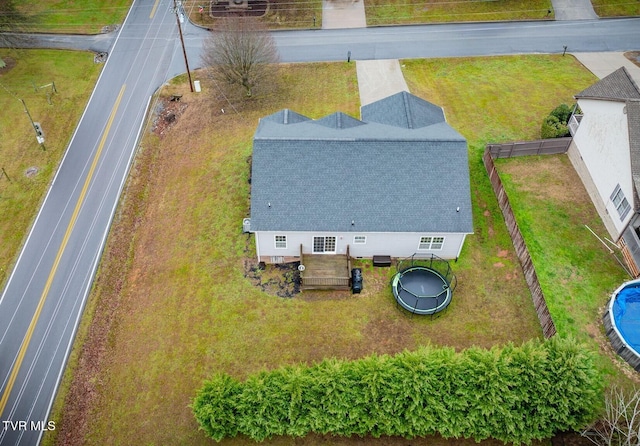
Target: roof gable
x=286, y=116
x=618, y=86
x=339, y=120
x=403, y=110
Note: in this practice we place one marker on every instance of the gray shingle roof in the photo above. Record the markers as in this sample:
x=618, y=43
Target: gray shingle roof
x=618, y=86
x=633, y=121
x=403, y=110
x=322, y=175
x=339, y=120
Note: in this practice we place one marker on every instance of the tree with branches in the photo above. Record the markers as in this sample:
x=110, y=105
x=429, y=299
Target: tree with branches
x=241, y=54
x=619, y=424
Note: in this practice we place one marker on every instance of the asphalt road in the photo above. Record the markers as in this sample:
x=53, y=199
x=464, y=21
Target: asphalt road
x=43, y=301
x=458, y=40
x=46, y=293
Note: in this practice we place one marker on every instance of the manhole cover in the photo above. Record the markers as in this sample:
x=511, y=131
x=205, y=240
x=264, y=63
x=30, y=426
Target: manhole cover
x=31, y=172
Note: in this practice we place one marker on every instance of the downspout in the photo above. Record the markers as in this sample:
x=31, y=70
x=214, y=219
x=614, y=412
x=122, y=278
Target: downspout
x=464, y=237
x=255, y=234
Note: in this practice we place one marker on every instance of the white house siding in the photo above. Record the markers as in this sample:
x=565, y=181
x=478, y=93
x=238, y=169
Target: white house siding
x=602, y=141
x=392, y=244
x=583, y=172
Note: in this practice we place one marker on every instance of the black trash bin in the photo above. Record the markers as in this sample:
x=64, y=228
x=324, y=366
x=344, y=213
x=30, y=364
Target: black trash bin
x=356, y=280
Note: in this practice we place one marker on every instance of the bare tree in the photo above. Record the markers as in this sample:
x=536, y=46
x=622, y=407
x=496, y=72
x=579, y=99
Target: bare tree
x=620, y=422
x=240, y=53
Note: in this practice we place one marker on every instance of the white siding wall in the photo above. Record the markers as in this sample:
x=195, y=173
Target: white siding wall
x=392, y=244
x=603, y=142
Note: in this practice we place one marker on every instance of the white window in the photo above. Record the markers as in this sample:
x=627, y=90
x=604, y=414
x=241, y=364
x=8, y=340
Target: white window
x=620, y=202
x=432, y=243
x=324, y=244
x=359, y=239
x=437, y=242
x=281, y=241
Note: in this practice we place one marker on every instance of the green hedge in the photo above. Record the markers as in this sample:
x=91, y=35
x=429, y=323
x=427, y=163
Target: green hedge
x=513, y=394
x=556, y=124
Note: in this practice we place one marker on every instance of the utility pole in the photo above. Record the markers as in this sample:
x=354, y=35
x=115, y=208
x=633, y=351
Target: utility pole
x=184, y=51
x=35, y=125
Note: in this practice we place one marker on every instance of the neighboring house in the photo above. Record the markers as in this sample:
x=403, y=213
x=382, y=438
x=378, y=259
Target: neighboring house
x=605, y=152
x=394, y=183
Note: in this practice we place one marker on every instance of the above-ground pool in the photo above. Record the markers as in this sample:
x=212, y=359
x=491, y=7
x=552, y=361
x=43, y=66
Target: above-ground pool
x=622, y=322
x=421, y=290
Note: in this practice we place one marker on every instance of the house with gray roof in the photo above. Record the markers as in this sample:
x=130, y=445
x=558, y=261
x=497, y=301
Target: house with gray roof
x=393, y=183
x=605, y=152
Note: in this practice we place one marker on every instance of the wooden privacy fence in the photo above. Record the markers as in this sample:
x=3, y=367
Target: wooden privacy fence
x=540, y=304
x=552, y=146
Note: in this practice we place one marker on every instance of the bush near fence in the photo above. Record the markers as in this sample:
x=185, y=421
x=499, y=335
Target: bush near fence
x=513, y=394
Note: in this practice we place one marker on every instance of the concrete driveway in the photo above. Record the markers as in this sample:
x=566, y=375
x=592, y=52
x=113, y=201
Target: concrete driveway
x=573, y=10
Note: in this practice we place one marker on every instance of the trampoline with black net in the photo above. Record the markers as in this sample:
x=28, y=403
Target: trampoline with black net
x=423, y=284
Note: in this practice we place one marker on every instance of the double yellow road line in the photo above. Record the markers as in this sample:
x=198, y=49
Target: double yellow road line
x=74, y=217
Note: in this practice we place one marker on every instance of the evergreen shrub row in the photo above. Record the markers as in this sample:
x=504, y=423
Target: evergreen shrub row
x=514, y=394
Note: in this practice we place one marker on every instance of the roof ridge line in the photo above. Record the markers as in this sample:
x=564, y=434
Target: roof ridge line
x=633, y=82
x=407, y=109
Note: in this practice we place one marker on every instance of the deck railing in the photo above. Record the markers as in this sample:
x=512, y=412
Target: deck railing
x=325, y=282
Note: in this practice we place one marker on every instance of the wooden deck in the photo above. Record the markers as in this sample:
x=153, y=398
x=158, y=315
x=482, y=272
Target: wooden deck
x=325, y=272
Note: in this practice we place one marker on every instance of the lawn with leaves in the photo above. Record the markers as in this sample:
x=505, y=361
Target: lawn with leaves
x=27, y=169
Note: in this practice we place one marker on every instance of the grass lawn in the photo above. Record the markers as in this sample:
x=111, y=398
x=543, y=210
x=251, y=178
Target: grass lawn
x=74, y=16
x=616, y=8
x=28, y=167
x=172, y=303
x=576, y=272
x=389, y=12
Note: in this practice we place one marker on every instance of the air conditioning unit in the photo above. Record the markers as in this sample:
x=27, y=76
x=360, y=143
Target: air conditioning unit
x=246, y=225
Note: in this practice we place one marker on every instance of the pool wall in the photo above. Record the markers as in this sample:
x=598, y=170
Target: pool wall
x=618, y=342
